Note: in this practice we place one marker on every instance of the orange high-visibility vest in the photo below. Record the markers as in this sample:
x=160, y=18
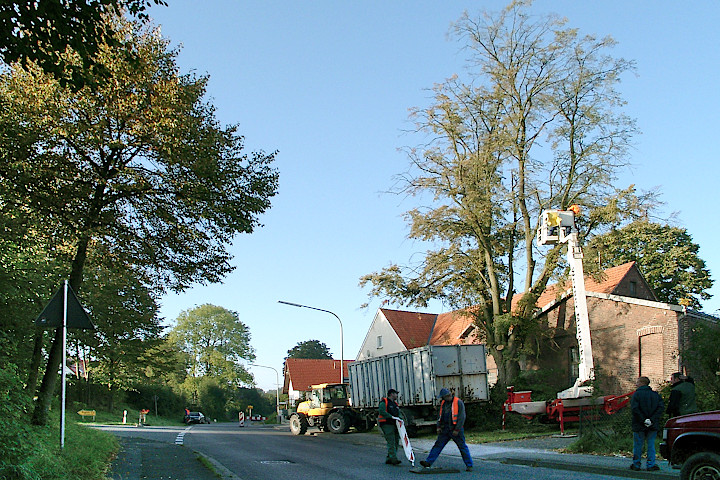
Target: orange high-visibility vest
x=454, y=409
x=382, y=419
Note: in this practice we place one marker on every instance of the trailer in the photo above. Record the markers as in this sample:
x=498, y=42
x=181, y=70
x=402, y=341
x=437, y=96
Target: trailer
x=418, y=375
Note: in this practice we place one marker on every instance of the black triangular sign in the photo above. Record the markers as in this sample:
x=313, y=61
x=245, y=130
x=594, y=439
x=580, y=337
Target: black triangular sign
x=52, y=314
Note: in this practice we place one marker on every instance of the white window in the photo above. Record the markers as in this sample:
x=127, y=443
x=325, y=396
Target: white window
x=379, y=341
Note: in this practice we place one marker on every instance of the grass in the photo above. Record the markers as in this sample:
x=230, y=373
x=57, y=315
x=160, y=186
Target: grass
x=85, y=456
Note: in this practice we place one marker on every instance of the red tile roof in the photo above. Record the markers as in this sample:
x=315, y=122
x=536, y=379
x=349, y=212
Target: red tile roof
x=611, y=279
x=413, y=328
x=452, y=328
x=304, y=372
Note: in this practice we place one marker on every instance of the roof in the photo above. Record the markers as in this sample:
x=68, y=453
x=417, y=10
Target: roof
x=611, y=279
x=304, y=372
x=413, y=328
x=451, y=328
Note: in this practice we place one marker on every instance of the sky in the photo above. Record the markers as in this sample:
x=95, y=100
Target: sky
x=329, y=85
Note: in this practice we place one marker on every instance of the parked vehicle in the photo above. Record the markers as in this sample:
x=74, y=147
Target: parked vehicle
x=195, y=417
x=416, y=374
x=693, y=441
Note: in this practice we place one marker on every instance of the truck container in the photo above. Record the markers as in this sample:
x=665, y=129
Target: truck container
x=417, y=375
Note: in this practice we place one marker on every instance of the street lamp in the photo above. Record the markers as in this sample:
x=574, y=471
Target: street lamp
x=342, y=355
x=277, y=386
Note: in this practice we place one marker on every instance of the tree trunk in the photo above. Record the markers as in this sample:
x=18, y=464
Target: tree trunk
x=34, y=370
x=49, y=382
x=508, y=368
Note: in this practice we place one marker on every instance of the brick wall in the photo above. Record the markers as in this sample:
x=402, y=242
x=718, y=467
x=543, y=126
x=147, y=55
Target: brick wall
x=627, y=340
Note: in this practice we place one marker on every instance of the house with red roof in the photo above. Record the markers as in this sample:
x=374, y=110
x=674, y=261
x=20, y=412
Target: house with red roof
x=301, y=373
x=632, y=333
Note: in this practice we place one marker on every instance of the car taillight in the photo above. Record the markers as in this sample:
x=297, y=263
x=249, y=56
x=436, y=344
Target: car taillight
x=665, y=434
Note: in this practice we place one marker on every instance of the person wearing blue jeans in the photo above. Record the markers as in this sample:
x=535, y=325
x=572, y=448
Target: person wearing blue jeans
x=450, y=427
x=647, y=407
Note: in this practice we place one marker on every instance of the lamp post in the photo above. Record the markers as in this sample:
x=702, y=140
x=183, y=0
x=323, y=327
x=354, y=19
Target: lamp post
x=277, y=386
x=342, y=354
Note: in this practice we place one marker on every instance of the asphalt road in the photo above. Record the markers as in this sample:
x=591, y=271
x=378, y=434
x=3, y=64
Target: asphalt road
x=267, y=452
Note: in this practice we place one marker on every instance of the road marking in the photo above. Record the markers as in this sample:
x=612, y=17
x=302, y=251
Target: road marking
x=181, y=436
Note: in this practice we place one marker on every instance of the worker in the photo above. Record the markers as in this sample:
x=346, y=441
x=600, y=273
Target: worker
x=388, y=411
x=450, y=427
x=682, y=396
x=647, y=407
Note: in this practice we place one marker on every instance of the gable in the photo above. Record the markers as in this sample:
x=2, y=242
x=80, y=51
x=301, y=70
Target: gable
x=412, y=328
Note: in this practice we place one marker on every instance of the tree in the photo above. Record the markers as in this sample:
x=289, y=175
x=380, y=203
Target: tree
x=699, y=353
x=127, y=324
x=216, y=342
x=138, y=165
x=489, y=177
x=40, y=32
x=667, y=257
x=309, y=349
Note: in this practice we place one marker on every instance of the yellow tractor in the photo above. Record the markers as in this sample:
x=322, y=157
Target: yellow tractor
x=329, y=409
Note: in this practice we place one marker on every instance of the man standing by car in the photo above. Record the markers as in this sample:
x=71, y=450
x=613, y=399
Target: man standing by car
x=682, y=396
x=387, y=410
x=450, y=427
x=647, y=407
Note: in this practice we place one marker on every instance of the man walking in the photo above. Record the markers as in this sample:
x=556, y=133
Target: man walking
x=682, y=396
x=646, y=406
x=450, y=427
x=387, y=410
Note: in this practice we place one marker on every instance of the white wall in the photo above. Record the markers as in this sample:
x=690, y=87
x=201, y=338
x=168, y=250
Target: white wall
x=391, y=343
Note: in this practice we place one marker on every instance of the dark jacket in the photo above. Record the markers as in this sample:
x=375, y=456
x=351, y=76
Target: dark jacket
x=386, y=410
x=445, y=420
x=682, y=399
x=646, y=403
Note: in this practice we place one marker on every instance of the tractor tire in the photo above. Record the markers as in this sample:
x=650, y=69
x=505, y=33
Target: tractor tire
x=298, y=424
x=364, y=425
x=337, y=423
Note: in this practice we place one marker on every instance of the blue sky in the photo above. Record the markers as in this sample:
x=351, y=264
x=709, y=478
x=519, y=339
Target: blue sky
x=329, y=84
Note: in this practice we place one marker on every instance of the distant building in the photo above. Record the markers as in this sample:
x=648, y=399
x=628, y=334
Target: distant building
x=301, y=373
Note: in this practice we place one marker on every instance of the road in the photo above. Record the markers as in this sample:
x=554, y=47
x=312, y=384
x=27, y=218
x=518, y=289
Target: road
x=260, y=452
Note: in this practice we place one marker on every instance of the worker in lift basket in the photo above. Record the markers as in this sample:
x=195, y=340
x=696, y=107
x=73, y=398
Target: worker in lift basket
x=450, y=427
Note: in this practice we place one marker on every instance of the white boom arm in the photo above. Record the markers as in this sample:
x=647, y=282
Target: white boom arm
x=558, y=226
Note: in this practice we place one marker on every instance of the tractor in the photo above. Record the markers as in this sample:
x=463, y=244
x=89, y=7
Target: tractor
x=329, y=410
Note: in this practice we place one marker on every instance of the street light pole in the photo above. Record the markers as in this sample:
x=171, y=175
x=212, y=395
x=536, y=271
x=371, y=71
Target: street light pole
x=342, y=354
x=277, y=386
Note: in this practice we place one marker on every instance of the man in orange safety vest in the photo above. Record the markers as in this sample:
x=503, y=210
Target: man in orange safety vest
x=450, y=427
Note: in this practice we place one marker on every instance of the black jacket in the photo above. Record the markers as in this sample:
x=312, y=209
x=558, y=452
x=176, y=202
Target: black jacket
x=646, y=403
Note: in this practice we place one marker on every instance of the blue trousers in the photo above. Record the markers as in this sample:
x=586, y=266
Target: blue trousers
x=639, y=439
x=443, y=438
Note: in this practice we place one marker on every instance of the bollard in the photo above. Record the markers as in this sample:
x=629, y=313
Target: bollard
x=241, y=418
x=124, y=417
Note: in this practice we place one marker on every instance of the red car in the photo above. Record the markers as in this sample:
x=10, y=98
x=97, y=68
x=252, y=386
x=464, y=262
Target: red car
x=693, y=441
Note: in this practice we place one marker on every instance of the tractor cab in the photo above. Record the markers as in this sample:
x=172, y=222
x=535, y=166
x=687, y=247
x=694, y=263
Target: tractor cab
x=325, y=397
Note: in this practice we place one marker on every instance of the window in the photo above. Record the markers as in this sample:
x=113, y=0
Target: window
x=379, y=341
x=574, y=364
x=633, y=288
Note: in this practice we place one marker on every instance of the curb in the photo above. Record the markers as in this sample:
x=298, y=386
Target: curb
x=599, y=469
x=220, y=469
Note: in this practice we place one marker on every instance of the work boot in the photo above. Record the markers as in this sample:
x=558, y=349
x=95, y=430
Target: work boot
x=654, y=468
x=389, y=461
x=425, y=464
x=395, y=461
x=468, y=469
x=633, y=467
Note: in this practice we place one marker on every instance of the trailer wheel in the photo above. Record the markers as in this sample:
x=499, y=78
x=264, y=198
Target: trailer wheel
x=337, y=423
x=298, y=424
x=364, y=424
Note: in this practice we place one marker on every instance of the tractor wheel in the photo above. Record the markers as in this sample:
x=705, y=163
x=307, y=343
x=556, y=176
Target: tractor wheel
x=298, y=424
x=337, y=423
x=363, y=425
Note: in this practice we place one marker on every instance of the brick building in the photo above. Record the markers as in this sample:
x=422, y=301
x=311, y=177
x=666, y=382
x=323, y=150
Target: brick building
x=632, y=333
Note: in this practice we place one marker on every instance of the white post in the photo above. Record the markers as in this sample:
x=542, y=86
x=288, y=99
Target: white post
x=62, y=375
